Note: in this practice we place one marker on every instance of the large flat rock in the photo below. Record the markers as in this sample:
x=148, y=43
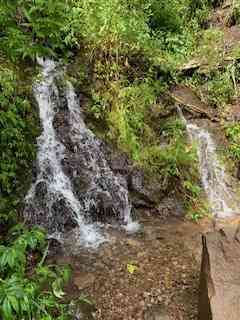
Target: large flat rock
x=219, y=296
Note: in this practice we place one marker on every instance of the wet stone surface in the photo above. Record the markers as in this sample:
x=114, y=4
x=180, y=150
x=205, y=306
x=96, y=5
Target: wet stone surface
x=152, y=275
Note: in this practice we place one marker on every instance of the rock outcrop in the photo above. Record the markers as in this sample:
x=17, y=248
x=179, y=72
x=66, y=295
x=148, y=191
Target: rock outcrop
x=186, y=98
x=219, y=295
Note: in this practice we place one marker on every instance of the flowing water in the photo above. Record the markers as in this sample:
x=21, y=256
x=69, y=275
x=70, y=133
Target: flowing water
x=213, y=177
x=95, y=163
x=53, y=200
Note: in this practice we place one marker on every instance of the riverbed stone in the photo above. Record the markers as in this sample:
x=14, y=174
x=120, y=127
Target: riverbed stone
x=219, y=294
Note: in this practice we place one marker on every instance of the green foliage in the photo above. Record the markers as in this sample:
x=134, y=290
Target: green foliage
x=170, y=161
x=110, y=25
x=194, y=189
x=17, y=131
x=27, y=290
x=210, y=50
x=31, y=28
x=127, y=117
x=236, y=12
x=195, y=203
x=233, y=134
x=197, y=209
x=169, y=16
x=220, y=88
x=173, y=128
x=132, y=49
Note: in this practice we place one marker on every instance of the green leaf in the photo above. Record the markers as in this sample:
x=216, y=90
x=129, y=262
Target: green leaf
x=131, y=268
x=57, y=288
x=86, y=300
x=14, y=303
x=7, y=309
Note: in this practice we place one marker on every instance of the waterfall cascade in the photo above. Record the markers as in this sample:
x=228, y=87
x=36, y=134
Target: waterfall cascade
x=53, y=200
x=213, y=177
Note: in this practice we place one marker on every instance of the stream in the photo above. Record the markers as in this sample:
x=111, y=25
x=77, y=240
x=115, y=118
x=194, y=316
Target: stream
x=221, y=197
x=131, y=272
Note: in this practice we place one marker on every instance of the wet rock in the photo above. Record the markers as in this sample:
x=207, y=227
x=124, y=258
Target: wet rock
x=136, y=180
x=34, y=170
x=100, y=190
x=157, y=312
x=41, y=191
x=187, y=98
x=55, y=248
x=141, y=196
x=170, y=206
x=81, y=182
x=143, y=193
x=62, y=217
x=104, y=207
x=219, y=294
x=119, y=162
x=77, y=174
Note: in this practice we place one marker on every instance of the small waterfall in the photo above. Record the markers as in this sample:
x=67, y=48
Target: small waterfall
x=213, y=176
x=94, y=162
x=52, y=200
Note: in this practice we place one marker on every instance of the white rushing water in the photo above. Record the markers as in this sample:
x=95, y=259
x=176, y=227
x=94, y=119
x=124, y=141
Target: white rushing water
x=96, y=161
x=212, y=172
x=51, y=153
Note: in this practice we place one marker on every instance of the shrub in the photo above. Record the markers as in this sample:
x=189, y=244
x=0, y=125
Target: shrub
x=127, y=119
x=169, y=16
x=210, y=49
x=220, y=88
x=170, y=161
x=233, y=134
x=31, y=28
x=29, y=290
x=235, y=15
x=110, y=25
x=17, y=132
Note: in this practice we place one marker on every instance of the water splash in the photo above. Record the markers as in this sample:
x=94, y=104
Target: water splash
x=95, y=163
x=52, y=200
x=213, y=176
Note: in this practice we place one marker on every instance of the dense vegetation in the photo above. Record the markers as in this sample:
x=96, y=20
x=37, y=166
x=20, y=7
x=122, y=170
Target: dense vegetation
x=123, y=55
x=27, y=293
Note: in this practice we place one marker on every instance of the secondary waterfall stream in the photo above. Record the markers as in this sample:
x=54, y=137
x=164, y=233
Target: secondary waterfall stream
x=220, y=196
x=74, y=181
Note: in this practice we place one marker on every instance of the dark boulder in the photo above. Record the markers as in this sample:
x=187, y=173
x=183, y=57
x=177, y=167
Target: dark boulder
x=219, y=294
x=143, y=193
x=62, y=216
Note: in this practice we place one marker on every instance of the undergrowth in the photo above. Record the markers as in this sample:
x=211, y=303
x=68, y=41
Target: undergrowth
x=233, y=135
x=18, y=129
x=125, y=57
x=29, y=289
